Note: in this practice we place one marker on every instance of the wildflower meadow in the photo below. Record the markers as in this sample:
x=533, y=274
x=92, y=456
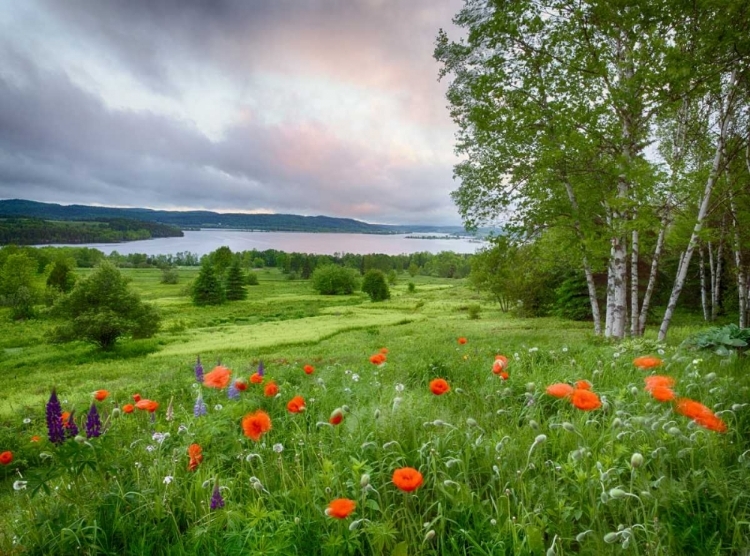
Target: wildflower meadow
x=402, y=427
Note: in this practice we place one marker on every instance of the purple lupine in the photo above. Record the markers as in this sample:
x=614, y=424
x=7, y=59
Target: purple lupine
x=71, y=429
x=93, y=423
x=200, y=407
x=198, y=370
x=232, y=392
x=261, y=369
x=54, y=420
x=216, y=500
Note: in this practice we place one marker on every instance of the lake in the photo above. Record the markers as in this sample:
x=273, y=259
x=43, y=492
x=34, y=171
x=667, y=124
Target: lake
x=205, y=241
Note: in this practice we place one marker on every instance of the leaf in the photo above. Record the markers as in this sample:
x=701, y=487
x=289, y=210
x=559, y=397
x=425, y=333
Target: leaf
x=402, y=549
x=373, y=505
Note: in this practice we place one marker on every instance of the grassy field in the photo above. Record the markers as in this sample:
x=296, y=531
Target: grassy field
x=507, y=468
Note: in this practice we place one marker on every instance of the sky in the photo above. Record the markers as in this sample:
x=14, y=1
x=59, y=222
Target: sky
x=309, y=107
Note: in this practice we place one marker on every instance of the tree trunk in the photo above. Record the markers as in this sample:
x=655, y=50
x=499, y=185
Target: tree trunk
x=652, y=275
x=619, y=281
x=704, y=293
x=610, y=294
x=712, y=270
x=710, y=182
x=741, y=279
x=716, y=293
x=634, y=328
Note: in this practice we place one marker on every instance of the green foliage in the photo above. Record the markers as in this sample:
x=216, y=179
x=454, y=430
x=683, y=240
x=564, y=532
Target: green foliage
x=334, y=280
x=723, y=340
x=375, y=285
x=258, y=262
x=411, y=287
x=19, y=270
x=252, y=279
x=474, y=309
x=169, y=275
x=392, y=277
x=206, y=289
x=61, y=276
x=572, y=299
x=221, y=259
x=102, y=308
x=413, y=270
x=21, y=304
x=234, y=284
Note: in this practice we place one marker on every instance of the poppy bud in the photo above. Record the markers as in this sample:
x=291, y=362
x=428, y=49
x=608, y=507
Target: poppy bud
x=617, y=493
x=534, y=425
x=636, y=460
x=569, y=427
x=429, y=536
x=80, y=439
x=610, y=537
x=364, y=481
x=116, y=412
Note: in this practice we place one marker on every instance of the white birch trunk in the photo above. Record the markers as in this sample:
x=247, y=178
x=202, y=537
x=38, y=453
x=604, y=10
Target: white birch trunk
x=710, y=182
x=716, y=293
x=704, y=293
x=741, y=279
x=712, y=276
x=634, y=314
x=610, y=311
x=652, y=276
x=619, y=281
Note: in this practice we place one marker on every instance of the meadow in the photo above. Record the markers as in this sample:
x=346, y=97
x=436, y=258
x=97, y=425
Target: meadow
x=500, y=466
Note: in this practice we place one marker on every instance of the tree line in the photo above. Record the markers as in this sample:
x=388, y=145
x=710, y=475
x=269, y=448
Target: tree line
x=35, y=231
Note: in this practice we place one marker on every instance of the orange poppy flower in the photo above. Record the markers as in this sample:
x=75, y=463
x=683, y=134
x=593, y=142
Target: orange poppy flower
x=560, y=390
x=270, y=390
x=341, y=508
x=254, y=425
x=647, y=362
x=500, y=364
x=6, y=457
x=241, y=385
x=101, y=395
x=218, y=378
x=336, y=417
x=662, y=393
x=384, y=350
x=712, y=422
x=504, y=375
x=35, y=438
x=585, y=400
x=147, y=405
x=196, y=456
x=136, y=397
x=377, y=359
x=296, y=404
x=309, y=369
x=462, y=340
x=64, y=417
x=407, y=479
x=583, y=385
x=691, y=408
x=654, y=381
x=255, y=378
x=439, y=386
x=128, y=408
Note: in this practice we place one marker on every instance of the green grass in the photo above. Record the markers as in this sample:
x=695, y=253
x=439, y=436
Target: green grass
x=492, y=485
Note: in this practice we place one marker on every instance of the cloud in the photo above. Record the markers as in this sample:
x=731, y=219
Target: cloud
x=320, y=107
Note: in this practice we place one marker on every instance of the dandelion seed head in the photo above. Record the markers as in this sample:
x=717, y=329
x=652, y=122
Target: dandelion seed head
x=278, y=448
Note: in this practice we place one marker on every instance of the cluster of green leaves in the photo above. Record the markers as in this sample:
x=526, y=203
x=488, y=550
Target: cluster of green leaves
x=723, y=340
x=375, y=285
x=335, y=280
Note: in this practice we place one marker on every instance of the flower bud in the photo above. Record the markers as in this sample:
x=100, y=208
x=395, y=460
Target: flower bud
x=569, y=427
x=617, y=493
x=610, y=537
x=116, y=412
x=636, y=460
x=364, y=481
x=429, y=536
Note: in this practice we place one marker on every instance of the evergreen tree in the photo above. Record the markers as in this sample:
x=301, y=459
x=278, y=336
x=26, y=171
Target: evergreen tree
x=235, y=282
x=207, y=289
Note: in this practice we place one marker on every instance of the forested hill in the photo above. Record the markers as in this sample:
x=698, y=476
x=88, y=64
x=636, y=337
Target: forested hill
x=35, y=231
x=207, y=219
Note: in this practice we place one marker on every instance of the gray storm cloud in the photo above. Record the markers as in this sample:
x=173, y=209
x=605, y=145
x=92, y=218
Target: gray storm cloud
x=104, y=103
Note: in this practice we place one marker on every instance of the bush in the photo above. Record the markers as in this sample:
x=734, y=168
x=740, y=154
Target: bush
x=251, y=279
x=169, y=275
x=376, y=286
x=392, y=277
x=474, y=309
x=412, y=288
x=572, y=299
x=334, y=280
x=207, y=289
x=102, y=308
x=61, y=276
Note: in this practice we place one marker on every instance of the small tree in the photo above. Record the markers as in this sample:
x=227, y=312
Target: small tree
x=169, y=275
x=207, y=289
x=18, y=285
x=61, y=276
x=252, y=279
x=102, y=308
x=376, y=286
x=334, y=280
x=413, y=270
x=235, y=282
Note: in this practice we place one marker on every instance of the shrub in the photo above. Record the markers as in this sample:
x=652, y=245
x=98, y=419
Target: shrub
x=722, y=340
x=61, y=276
x=102, y=308
x=376, y=286
x=169, y=275
x=392, y=277
x=412, y=287
x=252, y=278
x=334, y=280
x=474, y=309
x=207, y=289
x=572, y=299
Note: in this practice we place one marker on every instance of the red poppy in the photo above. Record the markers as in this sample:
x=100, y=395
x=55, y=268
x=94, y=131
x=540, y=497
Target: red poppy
x=384, y=350
x=241, y=385
x=585, y=400
x=377, y=359
x=35, y=438
x=65, y=417
x=128, y=408
x=407, y=479
x=136, y=398
x=6, y=457
x=654, y=381
x=583, y=385
x=336, y=417
x=560, y=390
x=712, y=422
x=662, y=393
x=462, y=340
x=218, y=378
x=647, y=362
x=255, y=378
x=270, y=390
x=691, y=408
x=499, y=365
x=254, y=425
x=439, y=386
x=309, y=369
x=296, y=404
x=101, y=395
x=504, y=375
x=341, y=508
x=196, y=456
x=147, y=405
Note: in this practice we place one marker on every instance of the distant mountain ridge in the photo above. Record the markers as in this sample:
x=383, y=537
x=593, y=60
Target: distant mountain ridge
x=208, y=219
